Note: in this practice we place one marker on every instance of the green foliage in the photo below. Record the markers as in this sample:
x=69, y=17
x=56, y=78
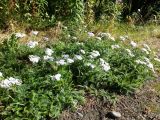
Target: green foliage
x=3, y=13
x=147, y=9
x=71, y=10
x=107, y=9
x=41, y=13
x=39, y=96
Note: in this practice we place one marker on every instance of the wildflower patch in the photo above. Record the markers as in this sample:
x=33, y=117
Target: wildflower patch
x=39, y=83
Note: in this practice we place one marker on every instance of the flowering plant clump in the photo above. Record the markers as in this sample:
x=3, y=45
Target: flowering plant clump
x=44, y=81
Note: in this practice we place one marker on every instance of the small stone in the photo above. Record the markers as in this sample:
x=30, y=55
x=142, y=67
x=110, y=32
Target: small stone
x=114, y=114
x=80, y=114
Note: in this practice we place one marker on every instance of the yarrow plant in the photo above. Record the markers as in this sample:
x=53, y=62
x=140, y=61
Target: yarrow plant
x=44, y=81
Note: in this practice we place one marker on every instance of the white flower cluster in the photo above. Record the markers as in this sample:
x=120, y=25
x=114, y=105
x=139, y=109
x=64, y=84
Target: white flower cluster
x=105, y=65
x=157, y=59
x=74, y=38
x=69, y=60
x=133, y=44
x=49, y=51
x=140, y=62
x=48, y=56
x=90, y=65
x=146, y=49
x=32, y=44
x=79, y=43
x=123, y=38
x=78, y=57
x=82, y=51
x=7, y=83
x=20, y=35
x=115, y=46
x=94, y=54
x=65, y=56
x=130, y=52
x=147, y=63
x=34, y=32
x=34, y=58
x=66, y=60
x=61, y=62
x=91, y=34
x=56, y=77
x=106, y=35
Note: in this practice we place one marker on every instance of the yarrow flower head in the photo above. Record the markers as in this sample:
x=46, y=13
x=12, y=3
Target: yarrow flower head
x=32, y=44
x=90, y=34
x=56, y=77
x=94, y=54
x=34, y=32
x=149, y=64
x=122, y=38
x=78, y=57
x=74, y=38
x=7, y=83
x=61, y=62
x=48, y=58
x=34, y=58
x=133, y=44
x=145, y=50
x=115, y=46
x=49, y=51
x=82, y=51
x=104, y=35
x=105, y=65
x=90, y=65
x=157, y=59
x=140, y=62
x=147, y=47
x=78, y=43
x=130, y=52
x=69, y=60
x=65, y=56
x=20, y=35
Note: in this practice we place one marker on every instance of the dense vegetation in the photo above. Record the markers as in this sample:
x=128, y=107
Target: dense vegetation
x=41, y=78
x=39, y=83
x=43, y=13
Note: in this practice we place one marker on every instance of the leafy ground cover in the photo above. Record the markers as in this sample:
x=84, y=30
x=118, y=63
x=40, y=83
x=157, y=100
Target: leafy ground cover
x=39, y=82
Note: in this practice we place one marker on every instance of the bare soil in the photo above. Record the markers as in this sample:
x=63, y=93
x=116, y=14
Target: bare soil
x=144, y=104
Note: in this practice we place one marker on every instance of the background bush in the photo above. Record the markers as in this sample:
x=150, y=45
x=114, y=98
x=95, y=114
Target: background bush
x=43, y=13
x=146, y=8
